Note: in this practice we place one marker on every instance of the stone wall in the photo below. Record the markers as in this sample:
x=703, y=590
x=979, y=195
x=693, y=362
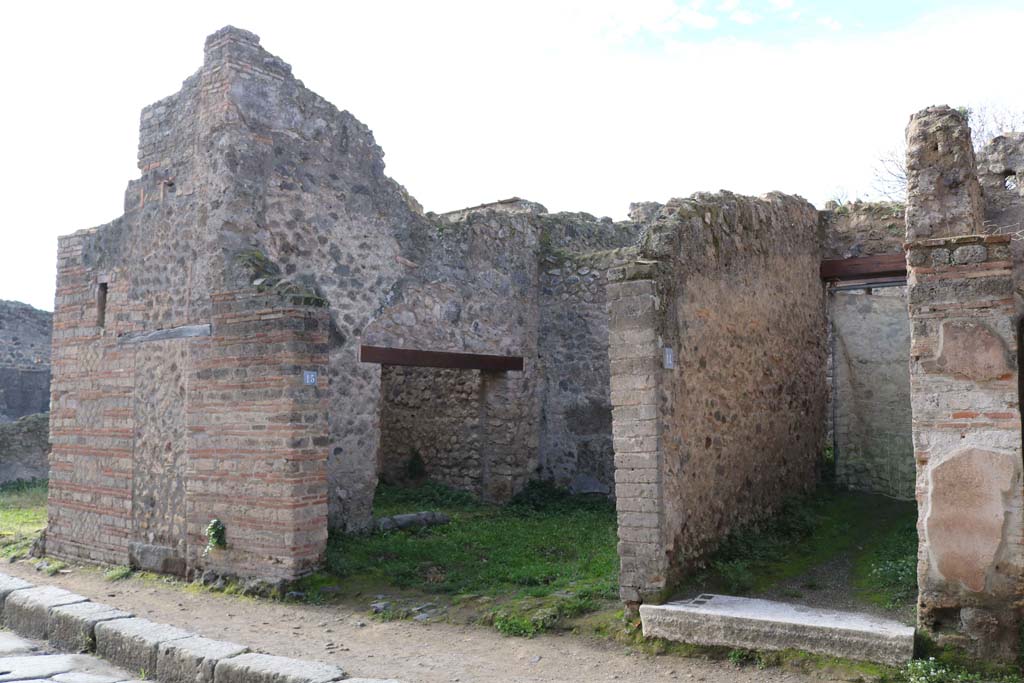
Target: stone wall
x=863, y=229
x=144, y=349
x=251, y=185
x=430, y=419
x=965, y=397
x=555, y=317
x=24, y=446
x=717, y=347
x=871, y=336
x=576, y=413
x=24, y=360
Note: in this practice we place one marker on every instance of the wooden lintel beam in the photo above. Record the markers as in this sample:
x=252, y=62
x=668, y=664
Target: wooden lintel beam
x=864, y=267
x=439, y=359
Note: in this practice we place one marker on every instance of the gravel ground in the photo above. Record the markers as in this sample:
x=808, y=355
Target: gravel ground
x=409, y=651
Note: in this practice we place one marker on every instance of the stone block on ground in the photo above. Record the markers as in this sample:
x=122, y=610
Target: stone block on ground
x=8, y=584
x=193, y=660
x=765, y=625
x=27, y=611
x=134, y=643
x=257, y=668
x=73, y=627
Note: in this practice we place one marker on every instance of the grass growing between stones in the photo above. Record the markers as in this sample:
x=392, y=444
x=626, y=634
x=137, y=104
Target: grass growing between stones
x=22, y=516
x=525, y=567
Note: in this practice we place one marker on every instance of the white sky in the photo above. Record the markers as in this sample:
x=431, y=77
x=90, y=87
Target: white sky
x=582, y=105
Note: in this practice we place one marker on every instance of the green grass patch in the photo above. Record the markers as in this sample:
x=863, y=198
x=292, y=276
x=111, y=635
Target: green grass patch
x=886, y=574
x=805, y=533
x=543, y=558
x=22, y=516
x=117, y=573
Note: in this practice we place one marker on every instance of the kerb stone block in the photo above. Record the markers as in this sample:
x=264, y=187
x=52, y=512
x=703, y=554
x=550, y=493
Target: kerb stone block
x=257, y=668
x=193, y=660
x=134, y=643
x=73, y=627
x=27, y=611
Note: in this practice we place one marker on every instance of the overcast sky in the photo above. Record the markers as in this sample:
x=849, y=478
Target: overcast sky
x=581, y=105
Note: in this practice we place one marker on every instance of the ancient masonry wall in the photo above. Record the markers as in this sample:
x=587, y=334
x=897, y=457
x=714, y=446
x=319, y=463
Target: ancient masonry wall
x=24, y=360
x=472, y=287
x=24, y=446
x=157, y=432
x=717, y=347
x=437, y=414
x=430, y=427
x=868, y=414
x=150, y=338
x=966, y=412
x=576, y=413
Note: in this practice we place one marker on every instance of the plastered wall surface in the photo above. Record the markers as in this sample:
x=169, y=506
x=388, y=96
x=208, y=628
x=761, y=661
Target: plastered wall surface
x=874, y=450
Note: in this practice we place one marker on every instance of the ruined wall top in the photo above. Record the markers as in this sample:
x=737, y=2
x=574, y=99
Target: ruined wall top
x=24, y=336
x=859, y=228
x=943, y=193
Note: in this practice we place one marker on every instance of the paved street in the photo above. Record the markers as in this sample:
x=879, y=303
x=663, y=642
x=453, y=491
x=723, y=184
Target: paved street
x=25, y=660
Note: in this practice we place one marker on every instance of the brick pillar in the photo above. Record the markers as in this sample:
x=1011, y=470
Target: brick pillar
x=259, y=438
x=964, y=393
x=635, y=360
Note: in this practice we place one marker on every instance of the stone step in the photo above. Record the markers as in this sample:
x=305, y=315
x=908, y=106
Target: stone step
x=755, y=624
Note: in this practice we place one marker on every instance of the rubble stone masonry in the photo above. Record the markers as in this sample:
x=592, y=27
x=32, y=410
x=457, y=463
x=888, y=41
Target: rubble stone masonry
x=717, y=348
x=24, y=360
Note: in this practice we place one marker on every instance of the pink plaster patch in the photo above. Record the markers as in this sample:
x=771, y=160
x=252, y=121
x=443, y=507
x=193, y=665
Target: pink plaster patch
x=965, y=521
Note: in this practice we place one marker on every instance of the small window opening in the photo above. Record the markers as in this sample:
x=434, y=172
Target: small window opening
x=1011, y=183
x=101, y=305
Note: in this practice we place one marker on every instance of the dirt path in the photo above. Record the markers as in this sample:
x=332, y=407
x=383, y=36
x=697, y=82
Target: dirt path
x=830, y=585
x=411, y=652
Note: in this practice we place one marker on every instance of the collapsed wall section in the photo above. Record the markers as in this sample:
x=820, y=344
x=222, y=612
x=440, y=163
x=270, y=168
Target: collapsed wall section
x=717, y=348
x=965, y=396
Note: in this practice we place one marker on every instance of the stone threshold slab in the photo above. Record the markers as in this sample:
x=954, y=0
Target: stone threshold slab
x=756, y=624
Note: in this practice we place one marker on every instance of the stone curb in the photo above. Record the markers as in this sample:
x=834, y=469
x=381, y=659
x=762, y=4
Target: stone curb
x=172, y=655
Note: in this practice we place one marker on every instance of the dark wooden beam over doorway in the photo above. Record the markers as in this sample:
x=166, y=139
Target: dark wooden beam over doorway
x=439, y=359
x=864, y=267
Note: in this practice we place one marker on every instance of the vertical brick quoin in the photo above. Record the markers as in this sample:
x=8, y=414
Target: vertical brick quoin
x=91, y=426
x=634, y=356
x=717, y=355
x=965, y=398
x=259, y=438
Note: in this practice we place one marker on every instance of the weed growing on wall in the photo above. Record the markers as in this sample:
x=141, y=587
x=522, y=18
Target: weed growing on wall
x=216, y=536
